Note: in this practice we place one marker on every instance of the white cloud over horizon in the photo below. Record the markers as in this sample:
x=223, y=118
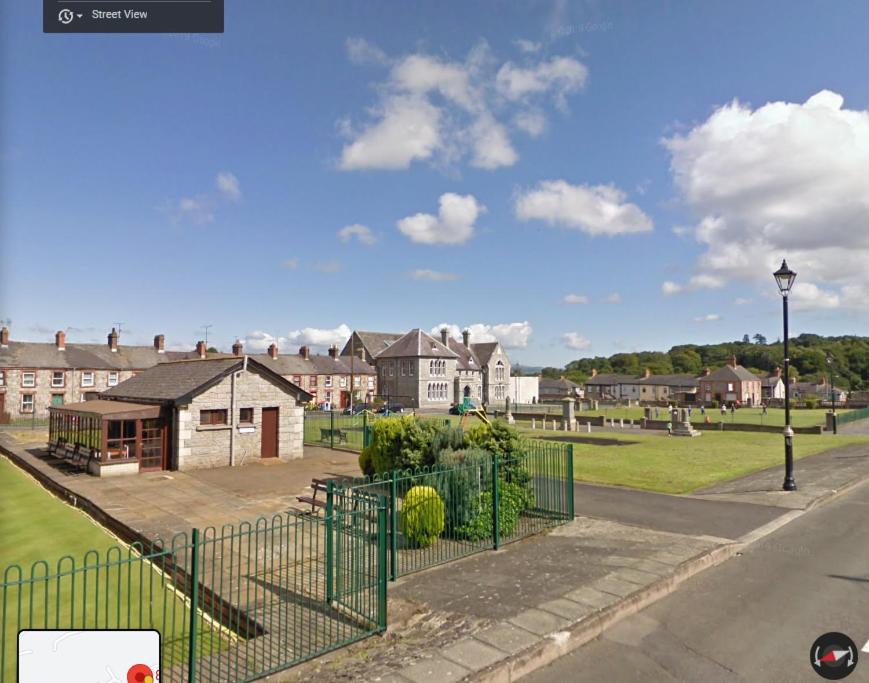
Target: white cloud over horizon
x=433, y=275
x=575, y=341
x=318, y=339
x=575, y=299
x=781, y=180
x=510, y=335
x=708, y=318
x=594, y=210
x=454, y=223
x=361, y=233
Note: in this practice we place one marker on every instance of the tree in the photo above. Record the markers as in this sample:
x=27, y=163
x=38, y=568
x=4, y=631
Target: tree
x=686, y=360
x=746, y=339
x=759, y=339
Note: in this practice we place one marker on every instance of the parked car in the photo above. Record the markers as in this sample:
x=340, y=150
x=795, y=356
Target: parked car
x=357, y=408
x=388, y=408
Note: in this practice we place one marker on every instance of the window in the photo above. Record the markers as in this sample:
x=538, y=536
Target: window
x=328, y=381
x=212, y=417
x=410, y=365
x=87, y=379
x=28, y=379
x=312, y=381
x=26, y=403
x=500, y=374
x=371, y=382
x=297, y=380
x=113, y=378
x=342, y=381
x=403, y=366
x=2, y=378
x=57, y=399
x=357, y=382
x=57, y=379
x=729, y=386
x=390, y=367
x=329, y=396
x=245, y=415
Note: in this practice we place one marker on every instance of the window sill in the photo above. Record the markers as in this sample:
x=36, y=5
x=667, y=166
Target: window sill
x=212, y=428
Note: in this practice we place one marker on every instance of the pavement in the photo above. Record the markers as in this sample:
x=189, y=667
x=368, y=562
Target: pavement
x=753, y=618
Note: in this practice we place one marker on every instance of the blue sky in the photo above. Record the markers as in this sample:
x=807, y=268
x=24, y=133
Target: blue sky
x=170, y=181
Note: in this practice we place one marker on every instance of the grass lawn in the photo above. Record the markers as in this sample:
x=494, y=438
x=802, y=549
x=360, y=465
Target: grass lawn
x=803, y=417
x=34, y=526
x=681, y=465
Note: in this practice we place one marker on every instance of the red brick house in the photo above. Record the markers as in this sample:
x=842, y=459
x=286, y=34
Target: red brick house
x=729, y=384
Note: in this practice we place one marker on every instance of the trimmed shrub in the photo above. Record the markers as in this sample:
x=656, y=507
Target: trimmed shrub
x=460, y=484
x=811, y=403
x=407, y=443
x=365, y=462
x=422, y=516
x=512, y=500
x=508, y=444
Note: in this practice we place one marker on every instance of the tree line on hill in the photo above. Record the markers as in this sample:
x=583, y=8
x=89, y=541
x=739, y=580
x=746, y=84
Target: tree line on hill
x=809, y=353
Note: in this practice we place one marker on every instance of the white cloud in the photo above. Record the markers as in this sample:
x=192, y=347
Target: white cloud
x=682, y=230
x=320, y=338
x=742, y=301
x=575, y=341
x=703, y=281
x=784, y=179
x=442, y=111
x=228, y=185
x=613, y=298
x=596, y=210
x=259, y=341
x=332, y=266
x=808, y=296
x=575, y=299
x=454, y=223
x=291, y=263
x=708, y=318
x=527, y=46
x=433, y=275
x=362, y=234
x=669, y=287
x=360, y=51
x=511, y=335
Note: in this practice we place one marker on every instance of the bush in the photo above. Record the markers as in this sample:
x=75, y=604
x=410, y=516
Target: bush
x=504, y=441
x=811, y=403
x=365, y=462
x=460, y=485
x=512, y=500
x=422, y=516
x=407, y=443
x=713, y=404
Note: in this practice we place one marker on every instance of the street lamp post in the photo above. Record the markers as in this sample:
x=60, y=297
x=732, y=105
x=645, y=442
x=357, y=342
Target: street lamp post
x=833, y=394
x=784, y=278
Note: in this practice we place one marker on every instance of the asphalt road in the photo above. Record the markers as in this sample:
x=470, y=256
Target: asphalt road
x=753, y=618
x=676, y=514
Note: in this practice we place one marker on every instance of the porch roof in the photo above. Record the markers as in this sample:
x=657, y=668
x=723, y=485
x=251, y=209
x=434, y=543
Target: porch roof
x=110, y=410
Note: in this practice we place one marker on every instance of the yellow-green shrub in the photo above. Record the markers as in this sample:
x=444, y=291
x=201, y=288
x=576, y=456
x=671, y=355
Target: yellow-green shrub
x=422, y=516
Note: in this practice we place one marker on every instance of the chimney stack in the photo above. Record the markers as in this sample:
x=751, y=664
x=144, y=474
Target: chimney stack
x=706, y=372
x=794, y=379
x=200, y=348
x=778, y=372
x=159, y=343
x=466, y=338
x=647, y=373
x=113, y=340
x=60, y=340
x=733, y=361
x=4, y=337
x=823, y=380
x=273, y=351
x=237, y=348
x=333, y=352
x=361, y=353
x=444, y=334
x=305, y=352
x=594, y=372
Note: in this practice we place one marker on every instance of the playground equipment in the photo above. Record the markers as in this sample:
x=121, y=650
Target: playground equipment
x=467, y=409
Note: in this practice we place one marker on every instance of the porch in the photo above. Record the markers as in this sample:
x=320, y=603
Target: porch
x=109, y=438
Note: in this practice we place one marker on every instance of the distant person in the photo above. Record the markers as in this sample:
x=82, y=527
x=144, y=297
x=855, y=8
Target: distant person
x=689, y=412
x=702, y=410
x=764, y=411
x=724, y=409
x=670, y=428
x=732, y=408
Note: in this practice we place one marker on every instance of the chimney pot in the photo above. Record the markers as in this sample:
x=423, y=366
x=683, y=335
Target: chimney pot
x=648, y=372
x=594, y=372
x=159, y=343
x=305, y=352
x=273, y=351
x=733, y=361
x=237, y=348
x=706, y=372
x=444, y=334
x=60, y=340
x=200, y=348
x=4, y=337
x=113, y=340
x=333, y=352
x=466, y=338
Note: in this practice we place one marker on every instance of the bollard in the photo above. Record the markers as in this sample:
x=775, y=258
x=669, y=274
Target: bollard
x=588, y=427
x=621, y=423
x=533, y=423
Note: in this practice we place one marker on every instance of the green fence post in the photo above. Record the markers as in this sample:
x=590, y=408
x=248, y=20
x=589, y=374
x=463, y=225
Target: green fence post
x=570, y=488
x=332, y=429
x=330, y=540
x=381, y=563
x=496, y=522
x=393, y=526
x=194, y=600
x=364, y=429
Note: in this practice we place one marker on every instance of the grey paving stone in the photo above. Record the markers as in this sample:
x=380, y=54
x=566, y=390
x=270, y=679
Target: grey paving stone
x=435, y=669
x=636, y=576
x=592, y=597
x=472, y=654
x=569, y=609
x=619, y=561
x=507, y=637
x=539, y=622
x=610, y=584
x=654, y=567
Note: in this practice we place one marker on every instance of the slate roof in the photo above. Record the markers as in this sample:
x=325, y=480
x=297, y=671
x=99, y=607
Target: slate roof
x=22, y=354
x=679, y=380
x=467, y=358
x=417, y=344
x=295, y=364
x=179, y=381
x=374, y=342
x=484, y=351
x=561, y=384
x=611, y=378
x=771, y=381
x=728, y=372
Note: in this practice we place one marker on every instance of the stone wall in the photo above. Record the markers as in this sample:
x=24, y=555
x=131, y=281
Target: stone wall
x=201, y=446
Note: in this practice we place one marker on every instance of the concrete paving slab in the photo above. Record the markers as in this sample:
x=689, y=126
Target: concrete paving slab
x=569, y=609
x=539, y=621
x=435, y=670
x=611, y=584
x=507, y=637
x=472, y=653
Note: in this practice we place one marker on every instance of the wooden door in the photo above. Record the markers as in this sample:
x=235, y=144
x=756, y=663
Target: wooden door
x=269, y=446
x=2, y=404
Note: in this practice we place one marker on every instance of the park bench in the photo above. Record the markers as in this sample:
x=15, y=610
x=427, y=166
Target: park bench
x=318, y=485
x=327, y=434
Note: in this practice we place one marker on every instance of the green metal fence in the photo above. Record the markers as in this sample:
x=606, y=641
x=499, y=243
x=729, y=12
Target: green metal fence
x=336, y=430
x=231, y=604
x=487, y=502
x=853, y=415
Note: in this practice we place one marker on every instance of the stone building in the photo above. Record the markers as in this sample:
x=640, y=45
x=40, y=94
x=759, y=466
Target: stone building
x=729, y=384
x=469, y=371
x=496, y=372
x=418, y=371
x=36, y=375
x=366, y=345
x=187, y=415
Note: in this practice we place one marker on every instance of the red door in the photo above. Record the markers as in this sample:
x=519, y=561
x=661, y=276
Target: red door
x=269, y=447
x=2, y=404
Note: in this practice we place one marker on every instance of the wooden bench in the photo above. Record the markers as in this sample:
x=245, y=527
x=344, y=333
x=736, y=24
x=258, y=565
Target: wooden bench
x=318, y=485
x=326, y=434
